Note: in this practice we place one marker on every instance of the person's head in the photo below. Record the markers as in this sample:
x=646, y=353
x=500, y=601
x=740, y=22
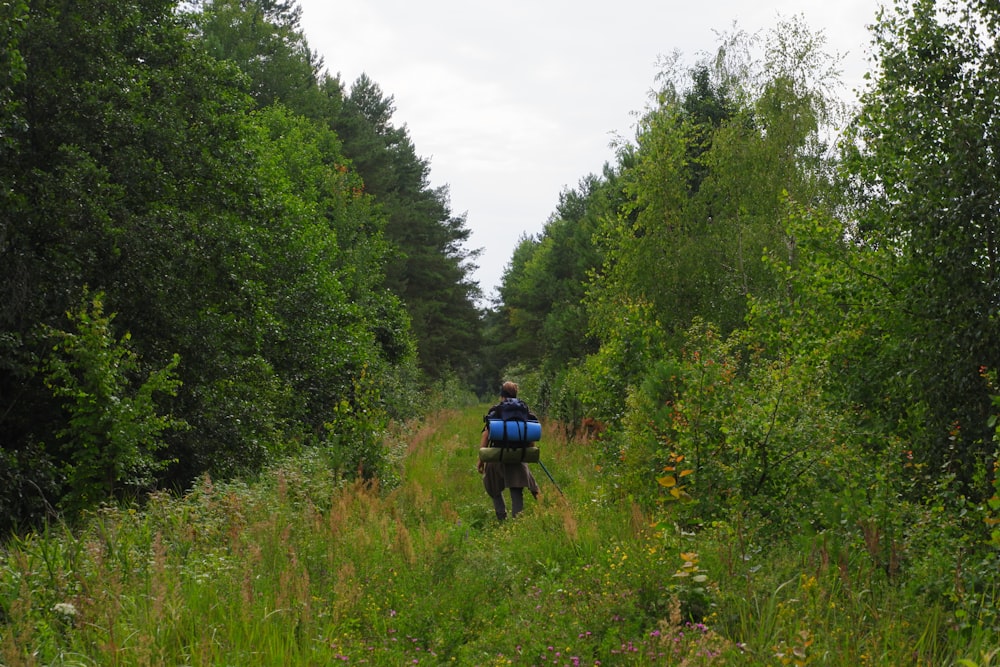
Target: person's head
x=508, y=390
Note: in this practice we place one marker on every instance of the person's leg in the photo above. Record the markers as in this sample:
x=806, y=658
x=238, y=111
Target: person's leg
x=499, y=506
x=516, y=500
x=493, y=483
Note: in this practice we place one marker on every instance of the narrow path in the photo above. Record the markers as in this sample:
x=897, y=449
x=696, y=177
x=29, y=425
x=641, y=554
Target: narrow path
x=441, y=461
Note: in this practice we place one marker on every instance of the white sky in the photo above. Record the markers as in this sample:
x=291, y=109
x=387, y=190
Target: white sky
x=513, y=102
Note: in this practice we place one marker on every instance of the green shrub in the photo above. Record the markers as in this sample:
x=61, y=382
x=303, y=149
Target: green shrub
x=113, y=432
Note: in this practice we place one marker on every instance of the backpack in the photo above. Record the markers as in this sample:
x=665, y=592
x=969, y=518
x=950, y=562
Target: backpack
x=512, y=425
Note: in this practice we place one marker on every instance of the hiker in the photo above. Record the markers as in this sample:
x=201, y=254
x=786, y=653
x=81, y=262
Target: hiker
x=513, y=476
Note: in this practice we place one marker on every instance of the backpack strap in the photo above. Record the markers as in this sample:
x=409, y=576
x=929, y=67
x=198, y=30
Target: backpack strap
x=509, y=437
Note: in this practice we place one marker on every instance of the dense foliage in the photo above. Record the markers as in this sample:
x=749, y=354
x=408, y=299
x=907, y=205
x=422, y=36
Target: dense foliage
x=784, y=333
x=428, y=265
x=779, y=352
x=926, y=173
x=196, y=274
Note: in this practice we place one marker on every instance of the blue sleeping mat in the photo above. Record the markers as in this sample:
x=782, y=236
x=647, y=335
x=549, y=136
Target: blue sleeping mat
x=515, y=431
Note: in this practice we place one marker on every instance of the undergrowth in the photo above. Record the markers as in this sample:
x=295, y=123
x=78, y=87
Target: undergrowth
x=304, y=568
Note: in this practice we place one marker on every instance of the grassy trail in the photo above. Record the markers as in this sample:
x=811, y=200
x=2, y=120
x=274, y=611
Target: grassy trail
x=300, y=568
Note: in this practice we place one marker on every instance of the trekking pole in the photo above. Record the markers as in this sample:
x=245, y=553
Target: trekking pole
x=550, y=477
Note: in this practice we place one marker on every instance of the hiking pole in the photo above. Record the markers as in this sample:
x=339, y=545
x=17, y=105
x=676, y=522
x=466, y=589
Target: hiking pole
x=550, y=477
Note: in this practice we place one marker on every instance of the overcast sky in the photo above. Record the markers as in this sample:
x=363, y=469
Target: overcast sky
x=513, y=102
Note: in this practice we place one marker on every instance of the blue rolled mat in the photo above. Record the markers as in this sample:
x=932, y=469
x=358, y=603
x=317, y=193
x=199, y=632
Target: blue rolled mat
x=515, y=431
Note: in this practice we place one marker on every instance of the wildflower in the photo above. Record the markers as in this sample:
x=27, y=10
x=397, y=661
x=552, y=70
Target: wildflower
x=65, y=609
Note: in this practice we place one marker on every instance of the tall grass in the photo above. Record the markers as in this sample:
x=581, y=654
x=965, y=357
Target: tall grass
x=303, y=568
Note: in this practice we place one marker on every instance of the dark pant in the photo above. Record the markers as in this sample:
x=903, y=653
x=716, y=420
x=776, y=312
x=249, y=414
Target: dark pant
x=516, y=503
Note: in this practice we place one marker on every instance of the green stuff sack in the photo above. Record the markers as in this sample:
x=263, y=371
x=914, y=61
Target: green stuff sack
x=509, y=454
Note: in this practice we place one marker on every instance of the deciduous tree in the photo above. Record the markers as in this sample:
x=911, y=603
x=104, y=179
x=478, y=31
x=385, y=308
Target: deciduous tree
x=926, y=174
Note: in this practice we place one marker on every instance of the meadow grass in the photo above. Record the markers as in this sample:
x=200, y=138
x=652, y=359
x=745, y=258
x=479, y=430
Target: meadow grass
x=303, y=568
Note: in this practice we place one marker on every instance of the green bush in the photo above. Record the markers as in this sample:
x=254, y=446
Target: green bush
x=113, y=433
